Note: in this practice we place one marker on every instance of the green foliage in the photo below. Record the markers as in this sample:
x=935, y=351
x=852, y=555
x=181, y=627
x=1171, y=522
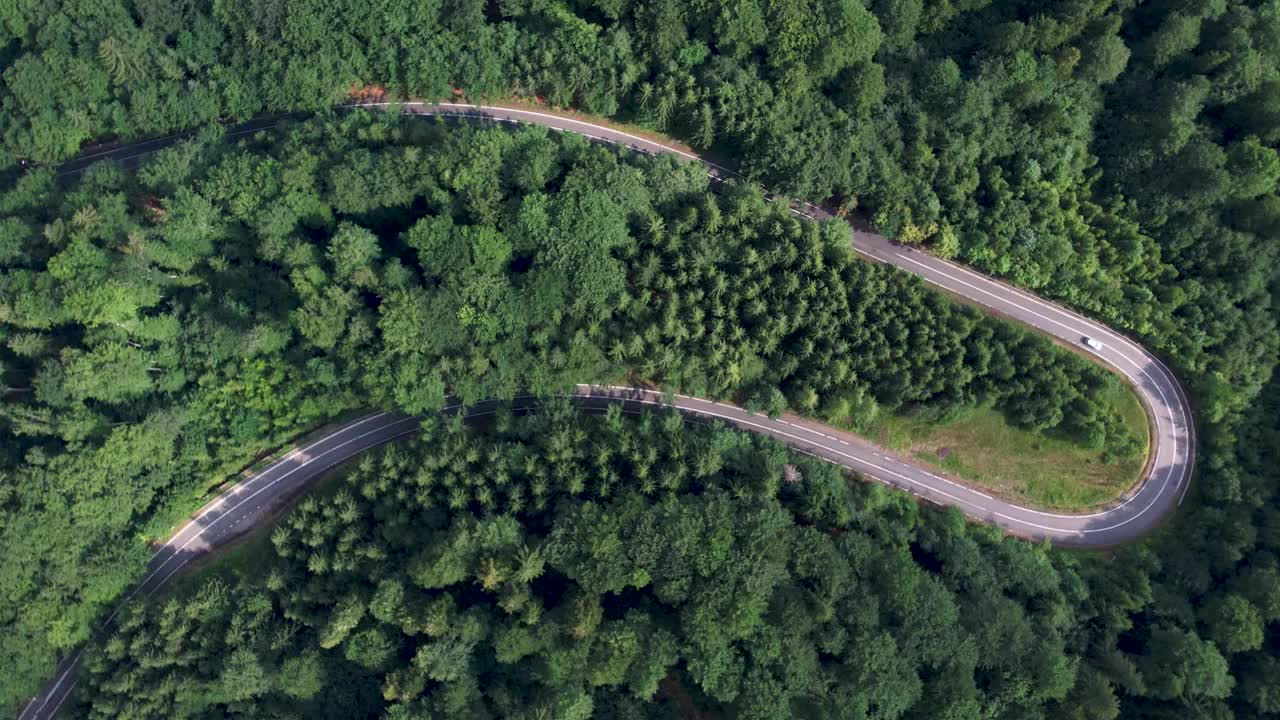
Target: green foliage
x=1234, y=624
x=1181, y=666
x=168, y=340
x=1119, y=157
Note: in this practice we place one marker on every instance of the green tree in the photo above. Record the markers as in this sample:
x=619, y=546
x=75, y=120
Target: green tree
x=1178, y=665
x=1233, y=623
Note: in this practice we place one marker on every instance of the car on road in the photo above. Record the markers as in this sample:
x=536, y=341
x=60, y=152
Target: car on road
x=1091, y=343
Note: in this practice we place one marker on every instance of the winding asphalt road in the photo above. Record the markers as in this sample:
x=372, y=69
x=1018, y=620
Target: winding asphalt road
x=1160, y=491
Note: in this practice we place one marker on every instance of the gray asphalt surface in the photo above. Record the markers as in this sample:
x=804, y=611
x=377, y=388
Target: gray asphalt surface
x=1158, y=494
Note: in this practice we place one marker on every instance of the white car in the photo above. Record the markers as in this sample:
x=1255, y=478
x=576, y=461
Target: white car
x=1093, y=344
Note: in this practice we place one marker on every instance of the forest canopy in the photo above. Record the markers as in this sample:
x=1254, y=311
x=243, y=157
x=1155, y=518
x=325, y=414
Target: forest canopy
x=1118, y=156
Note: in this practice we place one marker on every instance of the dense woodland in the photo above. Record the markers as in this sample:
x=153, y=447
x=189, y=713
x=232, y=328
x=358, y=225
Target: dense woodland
x=1119, y=156
x=163, y=324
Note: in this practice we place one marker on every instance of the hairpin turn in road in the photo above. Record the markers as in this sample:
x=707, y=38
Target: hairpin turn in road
x=1160, y=491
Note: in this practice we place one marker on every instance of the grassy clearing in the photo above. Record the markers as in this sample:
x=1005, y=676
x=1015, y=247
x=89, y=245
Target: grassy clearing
x=1024, y=466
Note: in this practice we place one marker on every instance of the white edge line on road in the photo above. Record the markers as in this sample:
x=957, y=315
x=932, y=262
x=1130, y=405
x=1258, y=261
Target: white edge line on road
x=71, y=665
x=1173, y=434
x=261, y=490
x=1102, y=330
x=232, y=492
x=29, y=712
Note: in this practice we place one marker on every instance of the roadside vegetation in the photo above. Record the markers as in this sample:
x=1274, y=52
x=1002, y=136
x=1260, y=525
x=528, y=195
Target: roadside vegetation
x=1118, y=156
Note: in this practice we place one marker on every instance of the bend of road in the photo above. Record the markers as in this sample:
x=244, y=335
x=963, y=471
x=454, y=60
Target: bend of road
x=1159, y=492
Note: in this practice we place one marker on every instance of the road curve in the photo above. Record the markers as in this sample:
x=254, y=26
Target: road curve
x=1173, y=442
x=1160, y=491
